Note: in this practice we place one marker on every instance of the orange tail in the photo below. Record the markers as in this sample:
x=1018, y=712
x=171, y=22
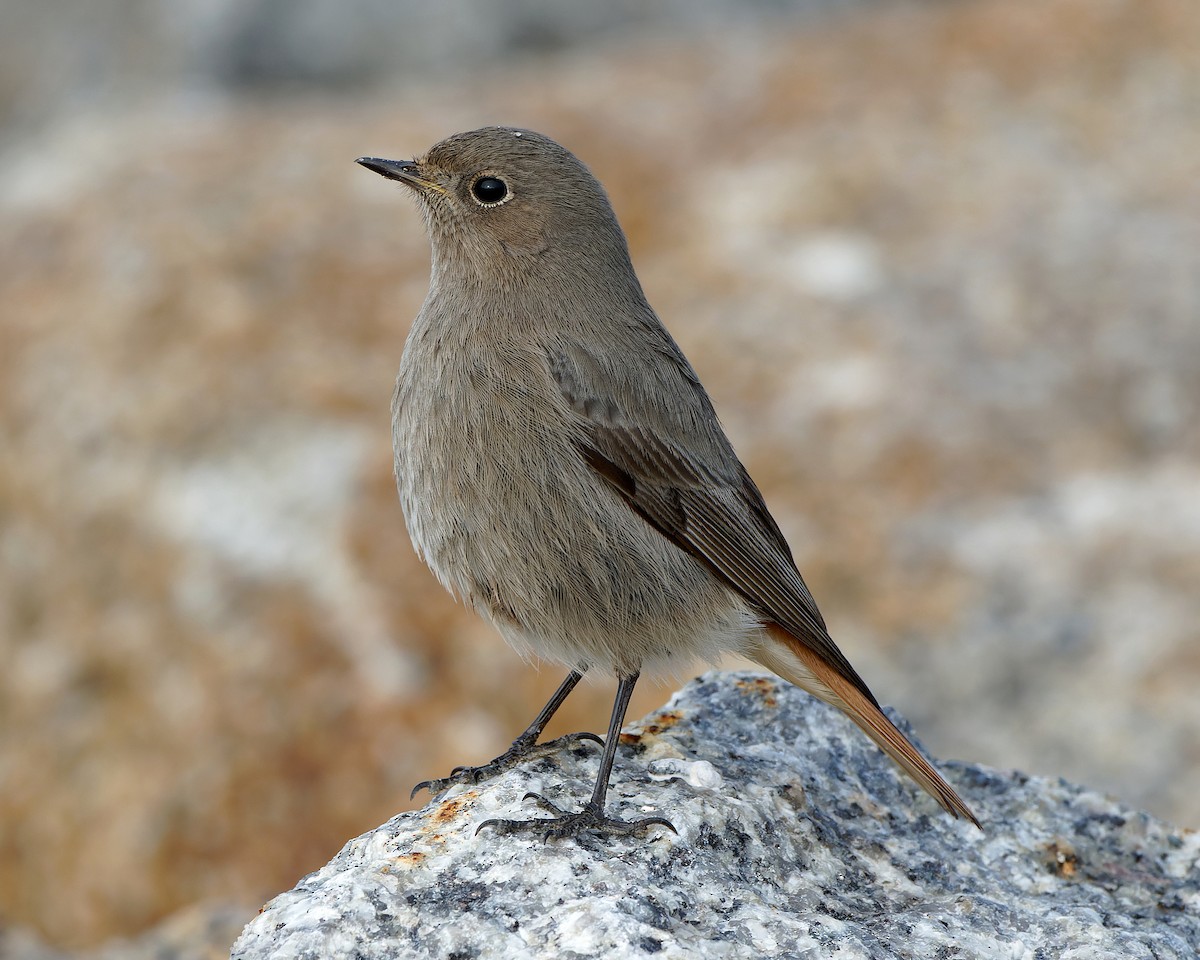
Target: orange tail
x=793, y=660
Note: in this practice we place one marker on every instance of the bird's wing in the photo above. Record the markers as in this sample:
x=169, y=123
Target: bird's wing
x=677, y=470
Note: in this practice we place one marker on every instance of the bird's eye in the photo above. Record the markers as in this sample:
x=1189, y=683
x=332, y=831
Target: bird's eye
x=489, y=190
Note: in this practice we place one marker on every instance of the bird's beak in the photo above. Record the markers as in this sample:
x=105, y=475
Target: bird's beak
x=406, y=171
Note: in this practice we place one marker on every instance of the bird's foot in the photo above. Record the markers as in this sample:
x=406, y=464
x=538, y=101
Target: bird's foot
x=522, y=749
x=590, y=819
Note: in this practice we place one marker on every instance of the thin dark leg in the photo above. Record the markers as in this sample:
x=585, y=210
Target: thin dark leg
x=591, y=817
x=625, y=687
x=523, y=748
x=534, y=730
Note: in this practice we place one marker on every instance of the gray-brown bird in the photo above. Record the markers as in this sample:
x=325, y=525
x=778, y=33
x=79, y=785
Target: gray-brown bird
x=562, y=469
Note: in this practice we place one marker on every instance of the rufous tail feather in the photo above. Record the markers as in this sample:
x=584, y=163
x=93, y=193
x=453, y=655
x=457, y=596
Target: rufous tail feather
x=793, y=660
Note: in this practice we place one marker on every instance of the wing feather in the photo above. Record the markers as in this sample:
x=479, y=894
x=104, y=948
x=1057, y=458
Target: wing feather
x=685, y=480
x=681, y=475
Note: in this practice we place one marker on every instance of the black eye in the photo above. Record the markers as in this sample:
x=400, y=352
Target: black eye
x=489, y=189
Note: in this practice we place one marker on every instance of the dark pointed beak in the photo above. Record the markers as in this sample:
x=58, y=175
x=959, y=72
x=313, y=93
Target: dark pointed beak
x=406, y=171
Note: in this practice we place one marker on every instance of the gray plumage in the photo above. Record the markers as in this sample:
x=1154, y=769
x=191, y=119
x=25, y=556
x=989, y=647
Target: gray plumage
x=559, y=464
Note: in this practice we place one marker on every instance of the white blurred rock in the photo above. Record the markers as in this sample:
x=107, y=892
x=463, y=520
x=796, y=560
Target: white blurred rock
x=834, y=266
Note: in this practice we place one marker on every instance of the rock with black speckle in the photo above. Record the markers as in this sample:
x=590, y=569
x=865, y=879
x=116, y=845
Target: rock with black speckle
x=797, y=839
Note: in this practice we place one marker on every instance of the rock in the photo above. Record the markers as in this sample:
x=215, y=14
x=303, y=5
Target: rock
x=797, y=838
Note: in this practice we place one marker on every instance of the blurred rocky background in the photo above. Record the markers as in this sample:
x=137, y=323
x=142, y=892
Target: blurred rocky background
x=938, y=264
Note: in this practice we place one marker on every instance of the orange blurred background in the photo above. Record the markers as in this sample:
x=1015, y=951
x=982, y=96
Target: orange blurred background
x=938, y=264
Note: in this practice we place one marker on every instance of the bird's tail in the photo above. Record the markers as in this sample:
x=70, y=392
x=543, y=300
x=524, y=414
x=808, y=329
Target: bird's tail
x=793, y=660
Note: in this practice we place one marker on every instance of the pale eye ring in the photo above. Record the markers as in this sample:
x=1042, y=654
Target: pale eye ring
x=489, y=190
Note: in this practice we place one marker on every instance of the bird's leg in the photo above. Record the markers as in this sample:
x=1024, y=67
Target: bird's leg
x=525, y=747
x=591, y=817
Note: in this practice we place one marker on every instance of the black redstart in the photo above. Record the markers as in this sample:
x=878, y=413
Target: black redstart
x=561, y=467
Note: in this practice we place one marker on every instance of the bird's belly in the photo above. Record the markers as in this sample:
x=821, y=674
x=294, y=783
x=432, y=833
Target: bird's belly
x=510, y=518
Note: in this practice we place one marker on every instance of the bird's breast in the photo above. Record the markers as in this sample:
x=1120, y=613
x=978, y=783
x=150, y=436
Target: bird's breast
x=510, y=518
x=485, y=464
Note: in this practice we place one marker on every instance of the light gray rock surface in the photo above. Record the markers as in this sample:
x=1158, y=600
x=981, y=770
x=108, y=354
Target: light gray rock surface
x=797, y=838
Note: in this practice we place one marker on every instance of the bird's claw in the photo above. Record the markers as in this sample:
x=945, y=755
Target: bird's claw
x=520, y=751
x=561, y=824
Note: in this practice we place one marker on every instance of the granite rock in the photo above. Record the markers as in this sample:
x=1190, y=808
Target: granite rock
x=796, y=838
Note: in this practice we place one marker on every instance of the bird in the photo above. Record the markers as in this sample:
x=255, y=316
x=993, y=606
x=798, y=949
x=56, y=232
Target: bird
x=562, y=470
